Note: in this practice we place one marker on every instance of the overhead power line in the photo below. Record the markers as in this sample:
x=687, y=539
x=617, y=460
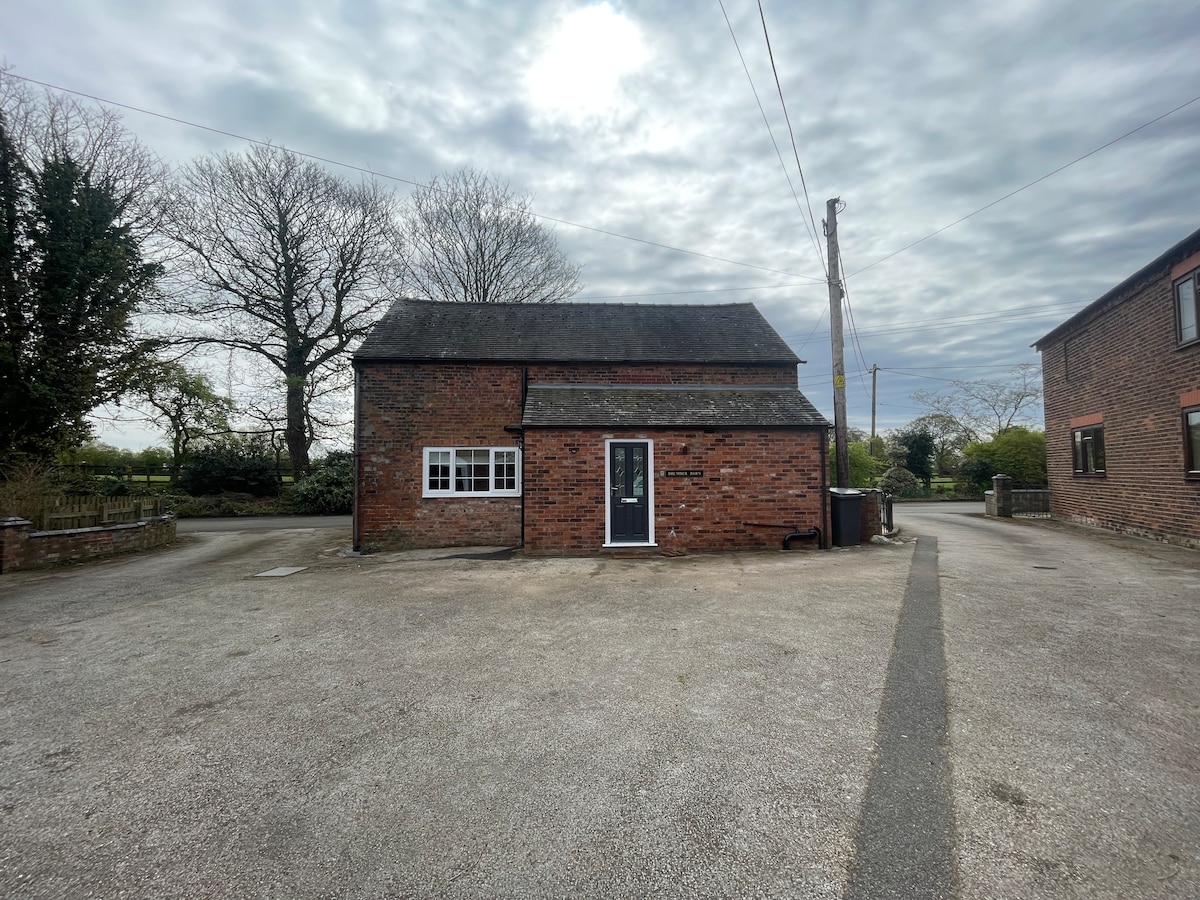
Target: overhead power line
x=862, y=357
x=778, y=153
x=752, y=287
x=374, y=174
x=820, y=319
x=820, y=380
x=791, y=134
x=934, y=326
x=959, y=368
x=1003, y=315
x=1026, y=187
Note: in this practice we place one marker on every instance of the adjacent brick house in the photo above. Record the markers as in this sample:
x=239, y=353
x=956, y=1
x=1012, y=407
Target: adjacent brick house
x=575, y=427
x=1122, y=401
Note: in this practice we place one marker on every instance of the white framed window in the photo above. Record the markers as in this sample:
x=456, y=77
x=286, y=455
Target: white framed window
x=471, y=472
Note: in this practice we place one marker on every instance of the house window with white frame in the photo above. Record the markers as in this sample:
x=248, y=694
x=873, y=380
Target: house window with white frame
x=471, y=472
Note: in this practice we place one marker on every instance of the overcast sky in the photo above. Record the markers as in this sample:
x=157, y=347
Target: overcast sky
x=638, y=118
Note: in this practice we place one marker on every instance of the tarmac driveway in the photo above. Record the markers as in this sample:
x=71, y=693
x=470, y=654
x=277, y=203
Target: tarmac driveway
x=403, y=725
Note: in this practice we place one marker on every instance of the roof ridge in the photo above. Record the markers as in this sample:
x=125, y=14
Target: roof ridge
x=660, y=387
x=567, y=302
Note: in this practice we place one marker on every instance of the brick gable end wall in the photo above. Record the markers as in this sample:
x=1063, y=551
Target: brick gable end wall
x=1124, y=365
x=404, y=408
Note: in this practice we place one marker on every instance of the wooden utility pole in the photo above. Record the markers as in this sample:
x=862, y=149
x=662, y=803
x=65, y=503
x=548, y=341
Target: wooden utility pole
x=841, y=442
x=874, y=377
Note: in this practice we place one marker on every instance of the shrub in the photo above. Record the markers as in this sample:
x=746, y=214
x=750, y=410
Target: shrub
x=329, y=491
x=864, y=468
x=230, y=465
x=1018, y=452
x=975, y=472
x=224, y=506
x=899, y=482
x=22, y=489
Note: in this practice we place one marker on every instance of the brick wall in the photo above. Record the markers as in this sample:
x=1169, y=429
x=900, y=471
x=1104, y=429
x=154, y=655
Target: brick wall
x=21, y=547
x=1123, y=368
x=402, y=408
x=870, y=523
x=598, y=373
x=772, y=477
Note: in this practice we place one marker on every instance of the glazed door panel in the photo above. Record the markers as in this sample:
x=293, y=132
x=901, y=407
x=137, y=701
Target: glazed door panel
x=629, y=486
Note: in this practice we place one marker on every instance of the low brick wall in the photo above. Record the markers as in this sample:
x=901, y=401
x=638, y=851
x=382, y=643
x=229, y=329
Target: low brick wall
x=21, y=547
x=1003, y=501
x=1031, y=503
x=870, y=523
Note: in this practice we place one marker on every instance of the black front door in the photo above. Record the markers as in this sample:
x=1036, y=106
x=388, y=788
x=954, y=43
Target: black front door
x=629, y=489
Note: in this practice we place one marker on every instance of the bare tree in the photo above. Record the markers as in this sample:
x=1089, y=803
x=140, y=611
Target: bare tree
x=287, y=262
x=983, y=409
x=48, y=125
x=470, y=239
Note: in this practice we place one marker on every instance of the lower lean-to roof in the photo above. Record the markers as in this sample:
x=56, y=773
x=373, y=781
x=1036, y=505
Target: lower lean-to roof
x=646, y=406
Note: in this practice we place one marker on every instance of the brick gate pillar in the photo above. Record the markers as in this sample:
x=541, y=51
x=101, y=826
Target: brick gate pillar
x=1002, y=486
x=14, y=532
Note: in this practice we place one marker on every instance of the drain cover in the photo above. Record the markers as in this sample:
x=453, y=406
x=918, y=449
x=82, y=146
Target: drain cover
x=280, y=571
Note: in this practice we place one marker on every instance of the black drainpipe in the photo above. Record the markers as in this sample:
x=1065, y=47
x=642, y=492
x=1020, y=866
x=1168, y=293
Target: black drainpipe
x=519, y=432
x=357, y=467
x=825, y=488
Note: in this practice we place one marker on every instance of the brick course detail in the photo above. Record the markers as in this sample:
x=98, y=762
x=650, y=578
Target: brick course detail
x=404, y=408
x=770, y=476
x=21, y=547
x=1121, y=365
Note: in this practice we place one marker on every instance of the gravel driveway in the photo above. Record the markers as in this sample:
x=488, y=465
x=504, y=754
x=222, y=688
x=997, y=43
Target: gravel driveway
x=403, y=725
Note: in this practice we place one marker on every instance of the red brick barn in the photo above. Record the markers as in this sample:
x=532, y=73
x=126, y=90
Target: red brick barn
x=576, y=427
x=1122, y=400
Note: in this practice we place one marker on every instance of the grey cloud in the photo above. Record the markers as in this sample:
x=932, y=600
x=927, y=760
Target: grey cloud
x=916, y=114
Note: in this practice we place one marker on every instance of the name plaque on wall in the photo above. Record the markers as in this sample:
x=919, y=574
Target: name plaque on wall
x=684, y=473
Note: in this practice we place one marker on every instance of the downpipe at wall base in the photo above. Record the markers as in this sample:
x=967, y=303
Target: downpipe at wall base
x=794, y=533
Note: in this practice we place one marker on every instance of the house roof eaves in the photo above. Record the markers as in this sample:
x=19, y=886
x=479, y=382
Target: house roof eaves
x=1188, y=245
x=669, y=406
x=358, y=359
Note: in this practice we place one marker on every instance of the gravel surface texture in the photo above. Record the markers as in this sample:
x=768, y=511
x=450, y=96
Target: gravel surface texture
x=428, y=725
x=399, y=725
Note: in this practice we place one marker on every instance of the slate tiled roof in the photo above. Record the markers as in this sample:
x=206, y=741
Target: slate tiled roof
x=416, y=330
x=553, y=406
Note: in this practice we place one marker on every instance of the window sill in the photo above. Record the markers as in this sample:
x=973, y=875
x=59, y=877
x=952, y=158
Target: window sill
x=607, y=545
x=1089, y=474
x=469, y=495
